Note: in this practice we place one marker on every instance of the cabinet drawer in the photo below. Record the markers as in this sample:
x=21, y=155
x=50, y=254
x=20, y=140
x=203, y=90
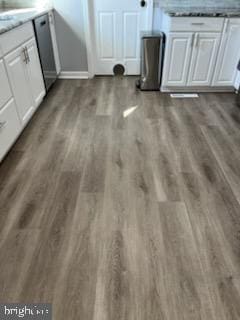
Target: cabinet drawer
x=9, y=127
x=196, y=24
x=15, y=37
x=5, y=91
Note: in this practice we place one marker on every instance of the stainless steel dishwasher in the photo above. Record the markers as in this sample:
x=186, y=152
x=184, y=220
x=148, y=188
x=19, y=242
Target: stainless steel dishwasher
x=45, y=48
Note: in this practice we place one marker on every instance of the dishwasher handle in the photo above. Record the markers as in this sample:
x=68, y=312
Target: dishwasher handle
x=42, y=23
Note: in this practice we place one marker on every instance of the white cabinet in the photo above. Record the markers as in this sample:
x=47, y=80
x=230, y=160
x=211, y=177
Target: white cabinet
x=10, y=127
x=177, y=58
x=14, y=38
x=21, y=83
x=193, y=24
x=200, y=53
x=204, y=54
x=5, y=91
x=17, y=71
x=26, y=78
x=35, y=72
x=190, y=59
x=229, y=55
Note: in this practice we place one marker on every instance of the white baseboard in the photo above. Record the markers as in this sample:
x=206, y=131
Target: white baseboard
x=196, y=89
x=184, y=95
x=73, y=75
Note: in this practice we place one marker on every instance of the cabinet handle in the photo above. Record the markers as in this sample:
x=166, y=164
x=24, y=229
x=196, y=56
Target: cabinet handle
x=3, y=124
x=25, y=55
x=227, y=24
x=192, y=40
x=28, y=58
x=197, y=23
x=43, y=23
x=197, y=40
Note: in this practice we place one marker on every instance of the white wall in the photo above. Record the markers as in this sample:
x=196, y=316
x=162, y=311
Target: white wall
x=69, y=30
x=157, y=16
x=70, y=35
x=26, y=3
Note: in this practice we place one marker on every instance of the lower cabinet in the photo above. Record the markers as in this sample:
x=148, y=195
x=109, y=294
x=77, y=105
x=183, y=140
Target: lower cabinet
x=16, y=63
x=190, y=59
x=177, y=59
x=204, y=55
x=229, y=54
x=35, y=72
x=5, y=91
x=25, y=75
x=10, y=127
x=22, y=86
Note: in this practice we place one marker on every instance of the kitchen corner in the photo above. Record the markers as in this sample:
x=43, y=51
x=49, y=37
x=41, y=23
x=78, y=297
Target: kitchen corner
x=29, y=64
x=13, y=17
x=202, y=44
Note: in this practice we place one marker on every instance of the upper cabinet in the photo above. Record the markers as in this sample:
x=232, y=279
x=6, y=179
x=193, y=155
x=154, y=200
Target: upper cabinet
x=229, y=54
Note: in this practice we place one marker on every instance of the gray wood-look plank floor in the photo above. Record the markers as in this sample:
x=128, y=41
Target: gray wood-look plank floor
x=134, y=218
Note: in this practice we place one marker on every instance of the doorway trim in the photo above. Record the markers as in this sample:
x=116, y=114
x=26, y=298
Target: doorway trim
x=88, y=15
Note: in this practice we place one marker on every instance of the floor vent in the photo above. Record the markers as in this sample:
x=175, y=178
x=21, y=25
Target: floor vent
x=184, y=95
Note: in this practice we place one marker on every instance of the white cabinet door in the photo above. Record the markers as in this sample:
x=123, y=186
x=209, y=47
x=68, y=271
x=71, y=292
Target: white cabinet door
x=177, y=59
x=35, y=72
x=10, y=127
x=203, y=60
x=229, y=55
x=5, y=91
x=17, y=71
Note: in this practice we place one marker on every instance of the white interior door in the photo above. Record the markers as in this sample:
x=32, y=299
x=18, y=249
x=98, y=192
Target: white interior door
x=118, y=25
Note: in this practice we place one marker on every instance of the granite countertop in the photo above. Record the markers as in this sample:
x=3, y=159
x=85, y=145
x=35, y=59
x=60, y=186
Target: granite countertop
x=201, y=12
x=17, y=17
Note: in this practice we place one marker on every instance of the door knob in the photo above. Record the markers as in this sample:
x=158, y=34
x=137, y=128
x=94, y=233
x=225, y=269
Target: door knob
x=143, y=3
